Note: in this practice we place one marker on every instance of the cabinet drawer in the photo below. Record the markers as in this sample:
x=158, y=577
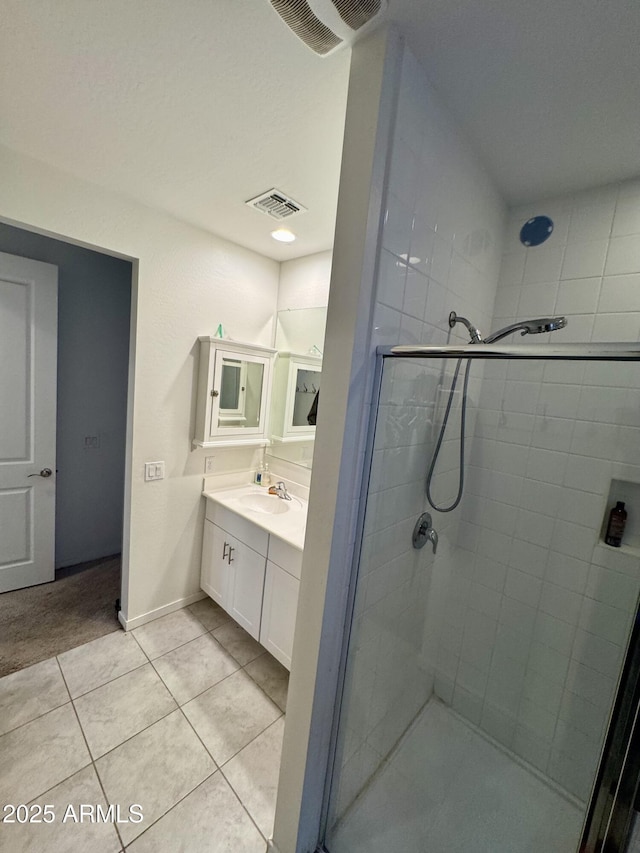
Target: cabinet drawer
x=236, y=525
x=285, y=556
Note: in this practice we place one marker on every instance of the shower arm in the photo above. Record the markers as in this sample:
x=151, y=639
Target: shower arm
x=474, y=334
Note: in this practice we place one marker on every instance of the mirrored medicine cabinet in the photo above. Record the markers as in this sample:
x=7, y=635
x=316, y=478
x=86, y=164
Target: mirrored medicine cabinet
x=234, y=393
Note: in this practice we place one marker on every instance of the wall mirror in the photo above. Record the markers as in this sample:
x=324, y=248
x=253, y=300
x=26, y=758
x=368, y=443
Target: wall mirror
x=240, y=385
x=300, y=343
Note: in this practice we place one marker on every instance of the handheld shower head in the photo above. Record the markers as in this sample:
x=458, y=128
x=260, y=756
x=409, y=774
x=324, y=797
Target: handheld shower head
x=528, y=327
x=545, y=324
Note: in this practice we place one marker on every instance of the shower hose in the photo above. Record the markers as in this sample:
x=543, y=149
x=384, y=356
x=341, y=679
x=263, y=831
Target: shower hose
x=443, y=428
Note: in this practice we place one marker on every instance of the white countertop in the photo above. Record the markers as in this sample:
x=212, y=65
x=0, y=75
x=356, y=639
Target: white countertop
x=289, y=526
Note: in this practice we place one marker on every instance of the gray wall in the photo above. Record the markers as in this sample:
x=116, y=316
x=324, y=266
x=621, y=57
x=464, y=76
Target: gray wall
x=94, y=303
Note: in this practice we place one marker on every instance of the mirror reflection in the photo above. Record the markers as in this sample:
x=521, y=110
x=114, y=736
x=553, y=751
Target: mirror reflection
x=240, y=393
x=305, y=407
x=295, y=399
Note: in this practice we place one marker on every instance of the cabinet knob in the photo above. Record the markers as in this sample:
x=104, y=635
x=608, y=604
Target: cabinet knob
x=231, y=550
x=215, y=393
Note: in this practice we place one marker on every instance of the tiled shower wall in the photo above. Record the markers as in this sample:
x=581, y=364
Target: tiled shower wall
x=440, y=250
x=588, y=269
x=536, y=609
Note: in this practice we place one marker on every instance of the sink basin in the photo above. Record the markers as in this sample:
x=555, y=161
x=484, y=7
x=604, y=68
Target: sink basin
x=269, y=504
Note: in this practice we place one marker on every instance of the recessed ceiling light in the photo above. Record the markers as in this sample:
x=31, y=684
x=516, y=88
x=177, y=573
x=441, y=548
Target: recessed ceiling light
x=283, y=235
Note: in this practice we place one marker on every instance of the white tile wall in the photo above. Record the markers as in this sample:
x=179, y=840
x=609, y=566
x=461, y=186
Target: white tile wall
x=557, y=619
x=564, y=617
x=440, y=251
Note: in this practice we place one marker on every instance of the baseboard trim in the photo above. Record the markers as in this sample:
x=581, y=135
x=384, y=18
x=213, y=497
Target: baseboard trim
x=178, y=604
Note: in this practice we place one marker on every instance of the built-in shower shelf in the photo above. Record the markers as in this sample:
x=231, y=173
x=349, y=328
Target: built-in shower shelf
x=627, y=491
x=625, y=559
x=630, y=550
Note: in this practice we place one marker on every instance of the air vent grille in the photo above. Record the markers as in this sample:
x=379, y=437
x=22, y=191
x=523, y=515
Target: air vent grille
x=276, y=204
x=356, y=13
x=298, y=15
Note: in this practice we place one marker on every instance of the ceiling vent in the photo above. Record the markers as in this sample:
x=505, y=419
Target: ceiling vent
x=325, y=26
x=276, y=204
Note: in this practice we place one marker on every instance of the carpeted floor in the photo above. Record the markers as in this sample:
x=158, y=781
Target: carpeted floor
x=41, y=621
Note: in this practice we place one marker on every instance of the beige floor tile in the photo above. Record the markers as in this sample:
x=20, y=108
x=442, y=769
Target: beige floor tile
x=269, y=674
x=238, y=643
x=167, y=633
x=40, y=754
x=209, y=613
x=230, y=714
x=100, y=661
x=210, y=819
x=31, y=692
x=122, y=708
x=155, y=769
x=65, y=834
x=253, y=775
x=194, y=667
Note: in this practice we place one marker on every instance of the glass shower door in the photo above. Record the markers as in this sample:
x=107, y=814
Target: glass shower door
x=479, y=680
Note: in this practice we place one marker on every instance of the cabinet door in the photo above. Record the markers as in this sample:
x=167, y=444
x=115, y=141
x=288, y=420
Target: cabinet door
x=279, y=613
x=246, y=585
x=215, y=571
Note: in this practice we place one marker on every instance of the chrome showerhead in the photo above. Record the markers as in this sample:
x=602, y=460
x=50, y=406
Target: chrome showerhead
x=529, y=327
x=545, y=324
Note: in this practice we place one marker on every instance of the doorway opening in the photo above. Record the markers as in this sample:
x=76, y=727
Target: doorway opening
x=92, y=447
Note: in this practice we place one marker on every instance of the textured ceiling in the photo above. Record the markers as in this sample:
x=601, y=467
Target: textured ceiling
x=194, y=106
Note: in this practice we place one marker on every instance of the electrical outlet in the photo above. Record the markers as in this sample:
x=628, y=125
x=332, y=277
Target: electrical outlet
x=153, y=471
x=91, y=442
x=209, y=466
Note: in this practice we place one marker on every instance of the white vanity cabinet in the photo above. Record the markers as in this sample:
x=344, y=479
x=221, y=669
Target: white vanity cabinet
x=233, y=575
x=254, y=576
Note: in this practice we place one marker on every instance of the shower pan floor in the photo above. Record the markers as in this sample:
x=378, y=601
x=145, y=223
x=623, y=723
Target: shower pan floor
x=447, y=789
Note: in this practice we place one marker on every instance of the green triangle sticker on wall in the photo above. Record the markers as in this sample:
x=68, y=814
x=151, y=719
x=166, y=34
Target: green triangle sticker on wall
x=219, y=331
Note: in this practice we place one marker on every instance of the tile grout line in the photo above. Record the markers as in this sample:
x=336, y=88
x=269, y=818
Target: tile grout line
x=230, y=784
x=244, y=807
x=93, y=763
x=110, y=681
x=177, y=803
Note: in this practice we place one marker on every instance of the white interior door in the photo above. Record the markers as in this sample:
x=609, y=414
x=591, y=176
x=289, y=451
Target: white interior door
x=28, y=355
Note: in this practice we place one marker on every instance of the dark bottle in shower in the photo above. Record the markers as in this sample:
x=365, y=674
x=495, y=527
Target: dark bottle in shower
x=615, y=527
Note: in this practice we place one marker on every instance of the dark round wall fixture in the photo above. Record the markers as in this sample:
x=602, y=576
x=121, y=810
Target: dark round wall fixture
x=536, y=231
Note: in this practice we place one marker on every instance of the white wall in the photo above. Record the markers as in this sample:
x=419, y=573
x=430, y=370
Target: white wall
x=188, y=281
x=588, y=269
x=94, y=302
x=304, y=282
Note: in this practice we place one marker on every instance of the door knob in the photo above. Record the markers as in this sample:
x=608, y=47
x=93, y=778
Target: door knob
x=46, y=472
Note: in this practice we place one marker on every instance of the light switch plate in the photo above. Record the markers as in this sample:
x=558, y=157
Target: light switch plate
x=153, y=471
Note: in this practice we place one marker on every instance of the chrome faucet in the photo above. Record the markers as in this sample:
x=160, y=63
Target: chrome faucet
x=281, y=491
